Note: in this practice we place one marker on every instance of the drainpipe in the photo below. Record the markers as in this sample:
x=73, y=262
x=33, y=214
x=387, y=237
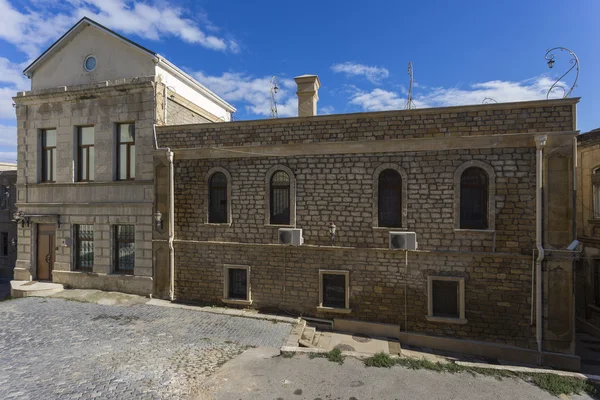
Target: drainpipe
x=165, y=100
x=171, y=213
x=575, y=162
x=540, y=142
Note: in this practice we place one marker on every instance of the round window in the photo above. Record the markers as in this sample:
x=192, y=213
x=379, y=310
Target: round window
x=90, y=63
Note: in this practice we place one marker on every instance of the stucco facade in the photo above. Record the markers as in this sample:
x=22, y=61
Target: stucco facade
x=122, y=90
x=333, y=164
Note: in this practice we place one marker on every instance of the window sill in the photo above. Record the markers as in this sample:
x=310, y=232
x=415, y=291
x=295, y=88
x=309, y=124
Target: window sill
x=476, y=231
x=280, y=226
x=334, y=310
x=385, y=228
x=446, y=320
x=122, y=273
x=218, y=223
x=236, y=302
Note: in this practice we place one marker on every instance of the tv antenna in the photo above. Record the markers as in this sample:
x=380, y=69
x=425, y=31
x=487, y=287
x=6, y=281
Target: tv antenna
x=409, y=103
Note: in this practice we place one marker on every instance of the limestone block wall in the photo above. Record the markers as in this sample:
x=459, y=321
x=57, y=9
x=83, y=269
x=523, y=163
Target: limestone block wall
x=340, y=188
x=492, y=119
x=497, y=288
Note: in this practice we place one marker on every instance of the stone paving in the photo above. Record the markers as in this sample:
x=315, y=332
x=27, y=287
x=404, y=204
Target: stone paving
x=58, y=349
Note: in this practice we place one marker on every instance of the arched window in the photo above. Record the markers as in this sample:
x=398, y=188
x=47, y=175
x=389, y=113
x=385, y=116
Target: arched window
x=280, y=199
x=217, y=198
x=474, y=199
x=390, y=199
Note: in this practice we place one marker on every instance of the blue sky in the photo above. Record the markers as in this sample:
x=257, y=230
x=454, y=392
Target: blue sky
x=463, y=51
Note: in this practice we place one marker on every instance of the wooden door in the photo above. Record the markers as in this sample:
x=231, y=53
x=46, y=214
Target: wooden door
x=46, y=243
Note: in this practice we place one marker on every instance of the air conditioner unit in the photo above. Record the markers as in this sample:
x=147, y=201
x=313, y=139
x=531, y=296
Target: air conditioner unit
x=290, y=236
x=403, y=241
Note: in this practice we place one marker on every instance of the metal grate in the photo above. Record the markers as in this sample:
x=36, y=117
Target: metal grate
x=473, y=199
x=334, y=290
x=124, y=249
x=445, y=298
x=84, y=248
x=280, y=199
x=218, y=199
x=238, y=280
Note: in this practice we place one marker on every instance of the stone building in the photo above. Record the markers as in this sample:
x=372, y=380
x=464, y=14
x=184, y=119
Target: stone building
x=486, y=188
x=85, y=188
x=8, y=228
x=588, y=232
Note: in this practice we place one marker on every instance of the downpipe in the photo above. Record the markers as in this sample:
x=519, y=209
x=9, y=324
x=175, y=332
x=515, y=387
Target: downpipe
x=540, y=142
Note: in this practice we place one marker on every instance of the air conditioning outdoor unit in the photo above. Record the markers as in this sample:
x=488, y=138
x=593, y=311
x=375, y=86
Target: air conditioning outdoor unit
x=291, y=236
x=403, y=241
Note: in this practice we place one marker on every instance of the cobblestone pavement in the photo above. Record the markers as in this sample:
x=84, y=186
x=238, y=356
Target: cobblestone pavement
x=58, y=349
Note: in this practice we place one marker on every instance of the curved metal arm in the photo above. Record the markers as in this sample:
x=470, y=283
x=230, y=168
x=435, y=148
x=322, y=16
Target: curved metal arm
x=409, y=103
x=574, y=60
x=273, y=89
x=488, y=100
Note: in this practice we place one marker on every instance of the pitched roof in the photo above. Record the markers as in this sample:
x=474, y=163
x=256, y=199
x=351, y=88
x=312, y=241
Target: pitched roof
x=85, y=22
x=78, y=27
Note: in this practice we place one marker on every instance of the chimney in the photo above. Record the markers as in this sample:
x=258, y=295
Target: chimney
x=308, y=94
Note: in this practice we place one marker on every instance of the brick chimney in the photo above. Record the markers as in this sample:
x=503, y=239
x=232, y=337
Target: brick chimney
x=308, y=94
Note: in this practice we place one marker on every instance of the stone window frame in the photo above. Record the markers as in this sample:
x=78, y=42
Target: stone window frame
x=209, y=175
x=346, y=274
x=403, y=194
x=491, y=214
x=461, y=320
x=226, y=299
x=270, y=172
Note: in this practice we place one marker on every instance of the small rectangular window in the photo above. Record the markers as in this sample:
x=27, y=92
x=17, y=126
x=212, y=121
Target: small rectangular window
x=125, y=152
x=4, y=244
x=446, y=298
x=236, y=284
x=84, y=247
x=48, y=155
x=334, y=289
x=85, y=153
x=124, y=249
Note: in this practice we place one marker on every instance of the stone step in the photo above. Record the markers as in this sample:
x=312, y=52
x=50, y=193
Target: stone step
x=20, y=289
x=307, y=337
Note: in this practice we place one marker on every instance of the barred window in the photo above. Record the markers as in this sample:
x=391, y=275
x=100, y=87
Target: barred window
x=280, y=199
x=474, y=199
x=124, y=249
x=217, y=198
x=238, y=281
x=84, y=248
x=390, y=199
x=334, y=289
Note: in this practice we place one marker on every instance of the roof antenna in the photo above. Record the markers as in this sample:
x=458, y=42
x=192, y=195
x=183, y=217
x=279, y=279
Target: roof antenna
x=409, y=103
x=274, y=88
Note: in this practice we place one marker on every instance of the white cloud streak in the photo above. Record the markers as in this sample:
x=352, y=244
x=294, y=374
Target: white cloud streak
x=373, y=74
x=501, y=91
x=252, y=92
x=35, y=28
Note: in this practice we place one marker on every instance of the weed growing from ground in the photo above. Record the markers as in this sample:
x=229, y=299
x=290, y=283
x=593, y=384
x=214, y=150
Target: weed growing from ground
x=551, y=383
x=334, y=355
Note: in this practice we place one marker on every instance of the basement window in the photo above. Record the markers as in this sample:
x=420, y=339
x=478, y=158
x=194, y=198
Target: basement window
x=334, y=293
x=236, y=285
x=446, y=299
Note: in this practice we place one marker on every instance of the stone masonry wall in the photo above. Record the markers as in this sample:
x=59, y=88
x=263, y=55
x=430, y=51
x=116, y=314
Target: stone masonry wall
x=428, y=123
x=180, y=115
x=339, y=188
x=497, y=288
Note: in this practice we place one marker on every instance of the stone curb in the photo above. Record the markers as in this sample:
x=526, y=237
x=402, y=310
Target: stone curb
x=361, y=356
x=530, y=370
x=225, y=311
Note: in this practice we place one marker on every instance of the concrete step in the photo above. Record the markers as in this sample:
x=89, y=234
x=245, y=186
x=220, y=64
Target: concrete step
x=20, y=289
x=307, y=337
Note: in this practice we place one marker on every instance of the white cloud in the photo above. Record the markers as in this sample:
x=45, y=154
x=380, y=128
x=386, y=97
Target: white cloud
x=10, y=74
x=8, y=136
x=501, y=91
x=253, y=92
x=31, y=30
x=8, y=156
x=373, y=74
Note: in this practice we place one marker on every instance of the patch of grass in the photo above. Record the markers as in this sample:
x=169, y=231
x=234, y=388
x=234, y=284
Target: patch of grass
x=551, y=383
x=334, y=355
x=288, y=354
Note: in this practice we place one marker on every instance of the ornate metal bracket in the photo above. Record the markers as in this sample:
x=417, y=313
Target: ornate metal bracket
x=488, y=100
x=574, y=60
x=273, y=90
